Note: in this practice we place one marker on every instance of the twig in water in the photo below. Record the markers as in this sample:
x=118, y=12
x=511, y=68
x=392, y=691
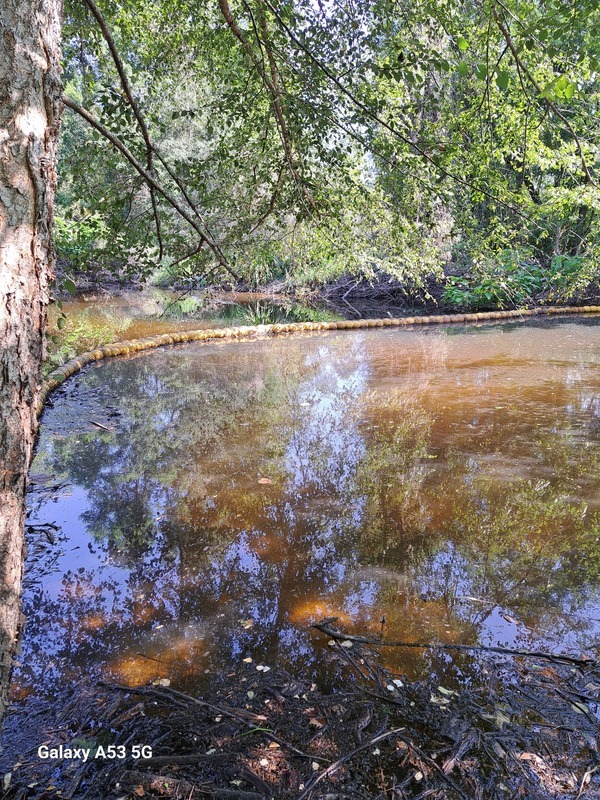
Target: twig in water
x=100, y=425
x=325, y=627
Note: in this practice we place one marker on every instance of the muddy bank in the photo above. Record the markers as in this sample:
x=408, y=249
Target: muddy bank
x=522, y=727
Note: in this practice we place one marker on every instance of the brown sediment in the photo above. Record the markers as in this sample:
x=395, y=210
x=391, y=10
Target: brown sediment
x=69, y=369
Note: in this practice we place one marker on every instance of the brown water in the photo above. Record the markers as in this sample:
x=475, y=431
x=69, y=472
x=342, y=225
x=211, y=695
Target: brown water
x=133, y=313
x=91, y=319
x=446, y=479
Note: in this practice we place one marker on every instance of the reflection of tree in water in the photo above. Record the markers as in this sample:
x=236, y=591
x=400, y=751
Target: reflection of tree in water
x=468, y=544
x=361, y=512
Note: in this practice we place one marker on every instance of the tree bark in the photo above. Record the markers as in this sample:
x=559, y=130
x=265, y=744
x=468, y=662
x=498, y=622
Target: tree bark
x=30, y=106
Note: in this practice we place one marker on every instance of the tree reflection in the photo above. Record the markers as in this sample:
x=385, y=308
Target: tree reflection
x=254, y=489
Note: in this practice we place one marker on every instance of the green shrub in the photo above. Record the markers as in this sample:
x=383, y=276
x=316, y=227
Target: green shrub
x=512, y=279
x=77, y=239
x=261, y=313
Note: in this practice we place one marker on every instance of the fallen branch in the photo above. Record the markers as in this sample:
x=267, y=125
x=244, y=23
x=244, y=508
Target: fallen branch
x=326, y=628
x=101, y=426
x=183, y=700
x=333, y=767
x=176, y=760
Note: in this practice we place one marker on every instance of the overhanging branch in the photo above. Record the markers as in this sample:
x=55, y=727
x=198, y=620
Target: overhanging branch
x=152, y=182
x=552, y=106
x=271, y=83
x=136, y=110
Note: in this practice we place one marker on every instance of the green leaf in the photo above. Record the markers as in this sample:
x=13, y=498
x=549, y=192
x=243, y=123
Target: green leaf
x=502, y=79
x=60, y=322
x=462, y=43
x=549, y=89
x=463, y=69
x=69, y=286
x=481, y=72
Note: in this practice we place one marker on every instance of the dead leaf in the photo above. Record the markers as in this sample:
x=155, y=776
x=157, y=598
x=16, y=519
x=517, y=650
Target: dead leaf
x=265, y=480
x=531, y=757
x=139, y=790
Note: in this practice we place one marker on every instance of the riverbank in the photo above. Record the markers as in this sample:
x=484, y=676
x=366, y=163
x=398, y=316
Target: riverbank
x=523, y=726
x=108, y=310
x=454, y=288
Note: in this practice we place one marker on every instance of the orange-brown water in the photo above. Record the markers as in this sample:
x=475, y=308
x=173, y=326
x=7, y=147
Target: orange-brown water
x=447, y=480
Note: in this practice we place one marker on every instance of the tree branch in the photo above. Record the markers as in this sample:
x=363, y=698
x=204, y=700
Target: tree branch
x=151, y=181
x=394, y=131
x=136, y=110
x=326, y=627
x=271, y=206
x=554, y=108
x=272, y=85
x=181, y=186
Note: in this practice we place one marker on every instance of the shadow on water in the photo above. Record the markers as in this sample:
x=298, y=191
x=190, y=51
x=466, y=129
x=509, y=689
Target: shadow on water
x=198, y=505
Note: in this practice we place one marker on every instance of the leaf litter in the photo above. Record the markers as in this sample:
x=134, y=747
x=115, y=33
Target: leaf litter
x=523, y=729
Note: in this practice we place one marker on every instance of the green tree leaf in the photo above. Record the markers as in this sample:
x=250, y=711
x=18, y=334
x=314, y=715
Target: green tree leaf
x=502, y=79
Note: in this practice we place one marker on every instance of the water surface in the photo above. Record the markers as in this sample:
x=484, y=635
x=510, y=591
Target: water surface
x=447, y=480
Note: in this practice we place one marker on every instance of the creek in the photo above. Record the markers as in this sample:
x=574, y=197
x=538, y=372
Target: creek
x=197, y=505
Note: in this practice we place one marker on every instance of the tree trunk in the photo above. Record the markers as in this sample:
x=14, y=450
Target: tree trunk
x=30, y=92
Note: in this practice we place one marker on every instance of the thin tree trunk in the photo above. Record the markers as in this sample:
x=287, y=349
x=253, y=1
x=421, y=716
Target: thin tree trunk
x=30, y=92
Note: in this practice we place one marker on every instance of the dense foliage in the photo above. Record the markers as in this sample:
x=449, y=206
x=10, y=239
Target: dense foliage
x=304, y=141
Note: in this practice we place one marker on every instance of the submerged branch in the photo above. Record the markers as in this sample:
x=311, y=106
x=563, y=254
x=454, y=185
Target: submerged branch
x=337, y=764
x=326, y=628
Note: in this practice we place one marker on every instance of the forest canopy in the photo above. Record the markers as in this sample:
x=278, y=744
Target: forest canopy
x=267, y=140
